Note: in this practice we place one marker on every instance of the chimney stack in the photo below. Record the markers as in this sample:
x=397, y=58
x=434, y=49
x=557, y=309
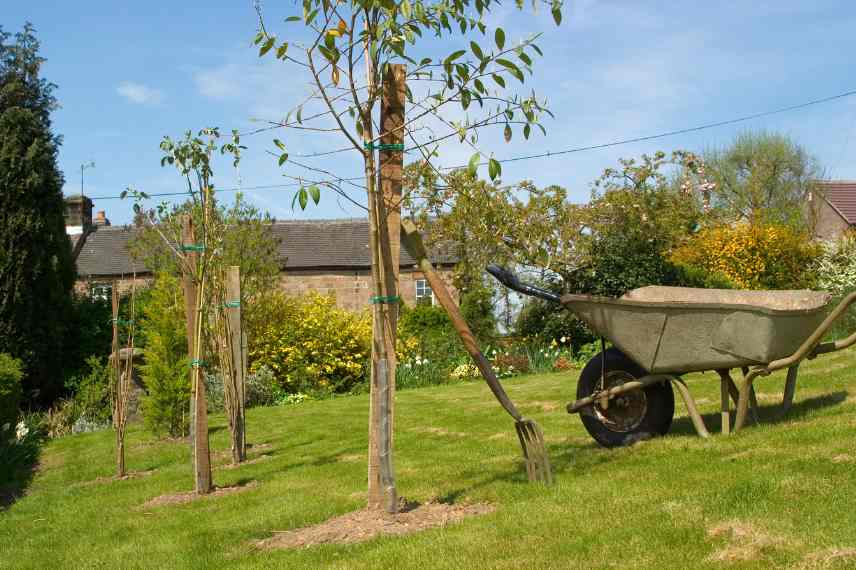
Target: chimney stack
x=101, y=219
x=78, y=214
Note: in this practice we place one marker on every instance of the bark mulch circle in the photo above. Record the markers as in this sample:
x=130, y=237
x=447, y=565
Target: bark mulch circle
x=366, y=524
x=190, y=496
x=113, y=479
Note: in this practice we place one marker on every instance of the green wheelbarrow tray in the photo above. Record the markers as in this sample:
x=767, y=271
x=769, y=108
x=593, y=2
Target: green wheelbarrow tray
x=677, y=330
x=660, y=333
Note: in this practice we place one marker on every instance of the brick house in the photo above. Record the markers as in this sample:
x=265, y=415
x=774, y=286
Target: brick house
x=327, y=256
x=834, y=209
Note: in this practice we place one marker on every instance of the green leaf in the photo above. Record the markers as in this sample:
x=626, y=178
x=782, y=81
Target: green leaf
x=282, y=50
x=405, y=9
x=267, y=46
x=524, y=58
x=282, y=158
x=499, y=80
x=473, y=166
x=494, y=169
x=279, y=144
x=123, y=195
x=476, y=49
x=293, y=19
x=453, y=56
x=557, y=12
x=507, y=132
x=526, y=131
x=315, y=193
x=465, y=98
x=259, y=37
x=513, y=69
x=499, y=38
x=303, y=198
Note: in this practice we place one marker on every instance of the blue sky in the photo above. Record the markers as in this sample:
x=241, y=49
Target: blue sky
x=129, y=73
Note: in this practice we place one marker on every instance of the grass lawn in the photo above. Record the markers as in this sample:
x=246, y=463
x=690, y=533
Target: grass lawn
x=779, y=495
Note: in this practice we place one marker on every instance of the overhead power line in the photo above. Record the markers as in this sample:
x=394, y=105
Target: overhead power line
x=550, y=154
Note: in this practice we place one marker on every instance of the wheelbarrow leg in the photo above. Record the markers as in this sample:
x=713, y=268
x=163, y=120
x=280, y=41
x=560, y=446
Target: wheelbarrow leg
x=744, y=399
x=725, y=385
x=692, y=409
x=734, y=391
x=753, y=399
x=790, y=388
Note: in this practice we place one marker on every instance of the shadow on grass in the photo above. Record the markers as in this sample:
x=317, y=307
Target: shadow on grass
x=767, y=413
x=18, y=465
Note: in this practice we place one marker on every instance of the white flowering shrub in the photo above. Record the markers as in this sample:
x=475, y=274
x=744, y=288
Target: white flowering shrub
x=836, y=266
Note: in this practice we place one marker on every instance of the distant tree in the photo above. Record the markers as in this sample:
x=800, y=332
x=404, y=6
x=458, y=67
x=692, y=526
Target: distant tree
x=243, y=232
x=763, y=178
x=36, y=269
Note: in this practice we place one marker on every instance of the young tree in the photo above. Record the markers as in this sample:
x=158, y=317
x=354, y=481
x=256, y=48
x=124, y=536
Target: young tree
x=247, y=241
x=36, y=270
x=763, y=178
x=353, y=53
x=198, y=255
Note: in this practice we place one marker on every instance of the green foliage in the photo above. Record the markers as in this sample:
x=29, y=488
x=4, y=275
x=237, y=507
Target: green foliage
x=91, y=331
x=92, y=392
x=436, y=339
x=764, y=178
x=477, y=307
x=36, y=271
x=10, y=393
x=166, y=368
x=635, y=217
x=547, y=322
x=262, y=388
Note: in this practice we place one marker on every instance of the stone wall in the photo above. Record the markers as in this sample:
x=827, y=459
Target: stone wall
x=84, y=286
x=829, y=224
x=352, y=288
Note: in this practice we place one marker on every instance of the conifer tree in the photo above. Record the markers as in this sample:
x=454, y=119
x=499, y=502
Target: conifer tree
x=36, y=270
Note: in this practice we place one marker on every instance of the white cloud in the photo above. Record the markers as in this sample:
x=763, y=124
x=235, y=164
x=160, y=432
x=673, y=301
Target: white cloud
x=139, y=93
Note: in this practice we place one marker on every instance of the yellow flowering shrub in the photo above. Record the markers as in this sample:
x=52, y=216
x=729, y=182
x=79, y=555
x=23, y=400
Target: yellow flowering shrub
x=752, y=256
x=312, y=345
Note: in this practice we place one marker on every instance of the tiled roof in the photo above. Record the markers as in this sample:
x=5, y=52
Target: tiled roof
x=841, y=195
x=316, y=244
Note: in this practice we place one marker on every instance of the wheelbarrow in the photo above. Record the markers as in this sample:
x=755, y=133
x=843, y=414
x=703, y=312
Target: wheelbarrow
x=625, y=394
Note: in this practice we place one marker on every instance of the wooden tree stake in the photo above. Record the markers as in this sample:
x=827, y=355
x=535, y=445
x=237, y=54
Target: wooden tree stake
x=236, y=392
x=385, y=217
x=198, y=402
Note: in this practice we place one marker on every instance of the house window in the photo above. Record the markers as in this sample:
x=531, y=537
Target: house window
x=424, y=294
x=101, y=291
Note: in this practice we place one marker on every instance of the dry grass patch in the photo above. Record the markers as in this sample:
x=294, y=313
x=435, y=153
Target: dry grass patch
x=190, y=496
x=366, y=524
x=744, y=541
x=829, y=558
x=439, y=431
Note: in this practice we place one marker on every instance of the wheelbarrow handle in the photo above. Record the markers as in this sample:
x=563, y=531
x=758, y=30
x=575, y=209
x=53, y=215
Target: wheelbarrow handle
x=513, y=282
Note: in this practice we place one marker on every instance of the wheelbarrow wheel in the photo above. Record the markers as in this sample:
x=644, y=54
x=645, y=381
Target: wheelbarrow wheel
x=628, y=417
